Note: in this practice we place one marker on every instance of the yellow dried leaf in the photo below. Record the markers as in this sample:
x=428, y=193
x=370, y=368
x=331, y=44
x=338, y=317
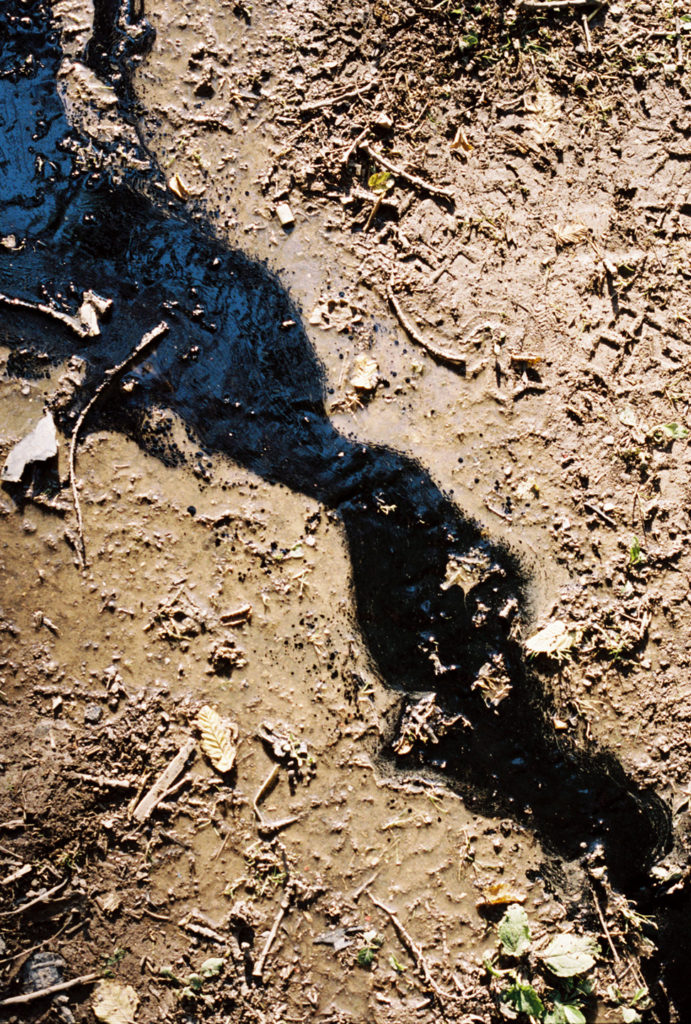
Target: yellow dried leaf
x=500, y=893
x=218, y=738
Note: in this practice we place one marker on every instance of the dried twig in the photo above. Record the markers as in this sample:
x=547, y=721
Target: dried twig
x=357, y=893
x=109, y=378
x=557, y=5
x=39, y=307
x=418, y=338
x=258, y=969
x=41, y=898
x=42, y=993
x=414, y=950
x=586, y=33
x=354, y=145
x=412, y=179
x=266, y=827
x=152, y=799
x=330, y=101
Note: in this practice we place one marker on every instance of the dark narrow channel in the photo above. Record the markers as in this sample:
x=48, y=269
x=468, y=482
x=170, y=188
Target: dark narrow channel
x=237, y=367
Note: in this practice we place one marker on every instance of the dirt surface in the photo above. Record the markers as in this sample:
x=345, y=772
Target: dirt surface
x=510, y=307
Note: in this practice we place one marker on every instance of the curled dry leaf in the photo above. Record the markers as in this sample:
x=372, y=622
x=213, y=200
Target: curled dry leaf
x=178, y=186
x=218, y=738
x=461, y=142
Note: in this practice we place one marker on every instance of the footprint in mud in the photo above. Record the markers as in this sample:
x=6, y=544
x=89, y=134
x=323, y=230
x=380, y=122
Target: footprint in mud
x=437, y=603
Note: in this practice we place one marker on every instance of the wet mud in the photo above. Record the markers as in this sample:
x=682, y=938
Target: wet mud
x=235, y=377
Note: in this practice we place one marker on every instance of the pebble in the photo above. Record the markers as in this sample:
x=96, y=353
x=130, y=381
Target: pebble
x=93, y=713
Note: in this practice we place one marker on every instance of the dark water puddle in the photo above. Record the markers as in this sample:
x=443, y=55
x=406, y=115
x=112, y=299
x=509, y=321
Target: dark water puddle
x=237, y=368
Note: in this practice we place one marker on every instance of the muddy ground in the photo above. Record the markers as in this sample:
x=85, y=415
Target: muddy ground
x=534, y=235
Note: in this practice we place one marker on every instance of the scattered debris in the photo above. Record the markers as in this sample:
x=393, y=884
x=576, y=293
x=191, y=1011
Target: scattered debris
x=423, y=722
x=414, y=951
x=225, y=656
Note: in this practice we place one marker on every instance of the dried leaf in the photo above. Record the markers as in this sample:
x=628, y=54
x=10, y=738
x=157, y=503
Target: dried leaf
x=218, y=738
x=571, y=234
x=555, y=638
x=178, y=186
x=114, y=1003
x=460, y=142
x=499, y=893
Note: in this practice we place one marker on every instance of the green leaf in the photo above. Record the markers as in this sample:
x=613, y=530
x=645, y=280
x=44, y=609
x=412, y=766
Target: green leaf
x=523, y=998
x=398, y=967
x=668, y=432
x=365, y=956
x=380, y=181
x=212, y=967
x=568, y=955
x=564, y=1013
x=467, y=41
x=514, y=931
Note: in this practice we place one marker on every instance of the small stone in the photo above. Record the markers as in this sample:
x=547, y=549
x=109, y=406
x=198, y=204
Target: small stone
x=285, y=215
x=93, y=713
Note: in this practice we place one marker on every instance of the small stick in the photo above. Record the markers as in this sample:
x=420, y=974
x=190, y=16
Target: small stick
x=413, y=949
x=102, y=781
x=268, y=828
x=355, y=896
x=258, y=969
x=415, y=335
x=354, y=145
x=108, y=378
x=38, y=307
x=25, y=869
x=589, y=507
x=41, y=993
x=43, y=898
x=374, y=211
x=330, y=101
x=556, y=5
x=412, y=179
x=586, y=33
x=160, y=787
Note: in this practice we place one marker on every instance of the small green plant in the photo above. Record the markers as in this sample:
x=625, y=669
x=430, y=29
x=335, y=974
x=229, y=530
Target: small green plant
x=549, y=983
x=110, y=963
x=635, y=552
x=193, y=986
x=367, y=952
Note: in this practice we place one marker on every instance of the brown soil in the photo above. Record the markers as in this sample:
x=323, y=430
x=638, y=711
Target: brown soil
x=557, y=281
